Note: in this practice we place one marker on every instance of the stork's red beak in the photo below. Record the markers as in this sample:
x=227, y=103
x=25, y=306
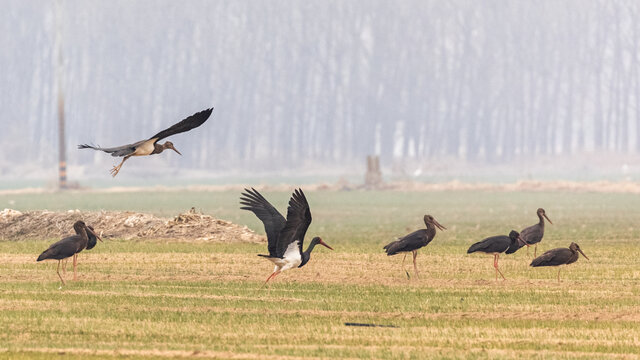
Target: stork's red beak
x=176, y=150
x=93, y=233
x=521, y=241
x=545, y=216
x=324, y=244
x=585, y=256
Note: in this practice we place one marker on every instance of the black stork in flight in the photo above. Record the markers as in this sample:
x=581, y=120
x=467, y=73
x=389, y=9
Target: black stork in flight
x=151, y=145
x=496, y=245
x=559, y=256
x=284, y=237
x=533, y=234
x=414, y=241
x=68, y=247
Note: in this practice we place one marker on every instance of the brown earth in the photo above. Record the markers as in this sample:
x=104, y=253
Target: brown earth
x=189, y=226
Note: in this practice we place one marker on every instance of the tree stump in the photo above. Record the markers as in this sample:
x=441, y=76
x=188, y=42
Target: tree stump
x=373, y=177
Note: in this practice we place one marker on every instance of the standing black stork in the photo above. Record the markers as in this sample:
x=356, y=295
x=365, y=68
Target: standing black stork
x=414, y=241
x=496, y=245
x=151, y=145
x=284, y=237
x=559, y=256
x=91, y=243
x=93, y=238
x=533, y=234
x=68, y=247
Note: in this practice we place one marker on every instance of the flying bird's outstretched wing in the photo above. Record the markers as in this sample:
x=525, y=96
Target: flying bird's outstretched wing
x=273, y=221
x=187, y=124
x=123, y=150
x=298, y=221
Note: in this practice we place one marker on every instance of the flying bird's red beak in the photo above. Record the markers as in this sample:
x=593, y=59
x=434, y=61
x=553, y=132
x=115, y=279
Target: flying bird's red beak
x=176, y=150
x=324, y=244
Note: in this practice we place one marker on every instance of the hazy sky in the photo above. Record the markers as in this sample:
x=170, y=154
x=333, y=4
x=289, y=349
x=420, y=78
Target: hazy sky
x=321, y=84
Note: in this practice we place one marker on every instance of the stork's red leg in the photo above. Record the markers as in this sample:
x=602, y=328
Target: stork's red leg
x=75, y=263
x=116, y=169
x=495, y=265
x=60, y=276
x=535, y=251
x=415, y=267
x=559, y=268
x=64, y=266
x=403, y=268
x=270, y=277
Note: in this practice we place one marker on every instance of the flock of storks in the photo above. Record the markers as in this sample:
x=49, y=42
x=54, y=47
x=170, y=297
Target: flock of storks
x=285, y=236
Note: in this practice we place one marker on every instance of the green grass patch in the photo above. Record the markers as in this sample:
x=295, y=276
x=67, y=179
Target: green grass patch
x=154, y=299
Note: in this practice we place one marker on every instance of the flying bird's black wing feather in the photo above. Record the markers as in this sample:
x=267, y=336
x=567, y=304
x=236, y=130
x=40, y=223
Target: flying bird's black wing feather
x=187, y=124
x=123, y=150
x=273, y=221
x=298, y=221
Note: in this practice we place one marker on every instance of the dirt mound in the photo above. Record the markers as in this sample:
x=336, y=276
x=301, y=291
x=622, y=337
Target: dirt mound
x=189, y=226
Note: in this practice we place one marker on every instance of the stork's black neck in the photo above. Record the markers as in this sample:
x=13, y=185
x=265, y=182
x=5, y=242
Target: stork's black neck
x=84, y=239
x=306, y=255
x=157, y=148
x=431, y=231
x=541, y=222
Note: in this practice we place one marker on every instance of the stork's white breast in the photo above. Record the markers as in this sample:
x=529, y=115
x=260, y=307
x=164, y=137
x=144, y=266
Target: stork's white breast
x=145, y=149
x=292, y=257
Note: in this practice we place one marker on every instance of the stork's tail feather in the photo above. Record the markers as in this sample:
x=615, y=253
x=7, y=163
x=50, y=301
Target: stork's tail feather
x=389, y=248
x=43, y=256
x=86, y=146
x=537, y=262
x=475, y=247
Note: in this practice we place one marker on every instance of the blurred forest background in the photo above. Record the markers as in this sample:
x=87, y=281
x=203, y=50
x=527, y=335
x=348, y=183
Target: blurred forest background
x=318, y=85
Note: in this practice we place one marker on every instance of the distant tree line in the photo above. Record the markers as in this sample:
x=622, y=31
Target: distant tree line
x=330, y=81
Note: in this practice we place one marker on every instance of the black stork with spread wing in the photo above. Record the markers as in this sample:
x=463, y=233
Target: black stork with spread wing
x=68, y=247
x=496, y=245
x=151, y=145
x=414, y=241
x=559, y=256
x=533, y=234
x=285, y=237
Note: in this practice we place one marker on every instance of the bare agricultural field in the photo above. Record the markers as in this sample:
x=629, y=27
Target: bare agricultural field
x=166, y=298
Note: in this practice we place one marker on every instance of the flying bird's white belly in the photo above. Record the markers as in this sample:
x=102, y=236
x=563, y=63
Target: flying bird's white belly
x=291, y=258
x=145, y=149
